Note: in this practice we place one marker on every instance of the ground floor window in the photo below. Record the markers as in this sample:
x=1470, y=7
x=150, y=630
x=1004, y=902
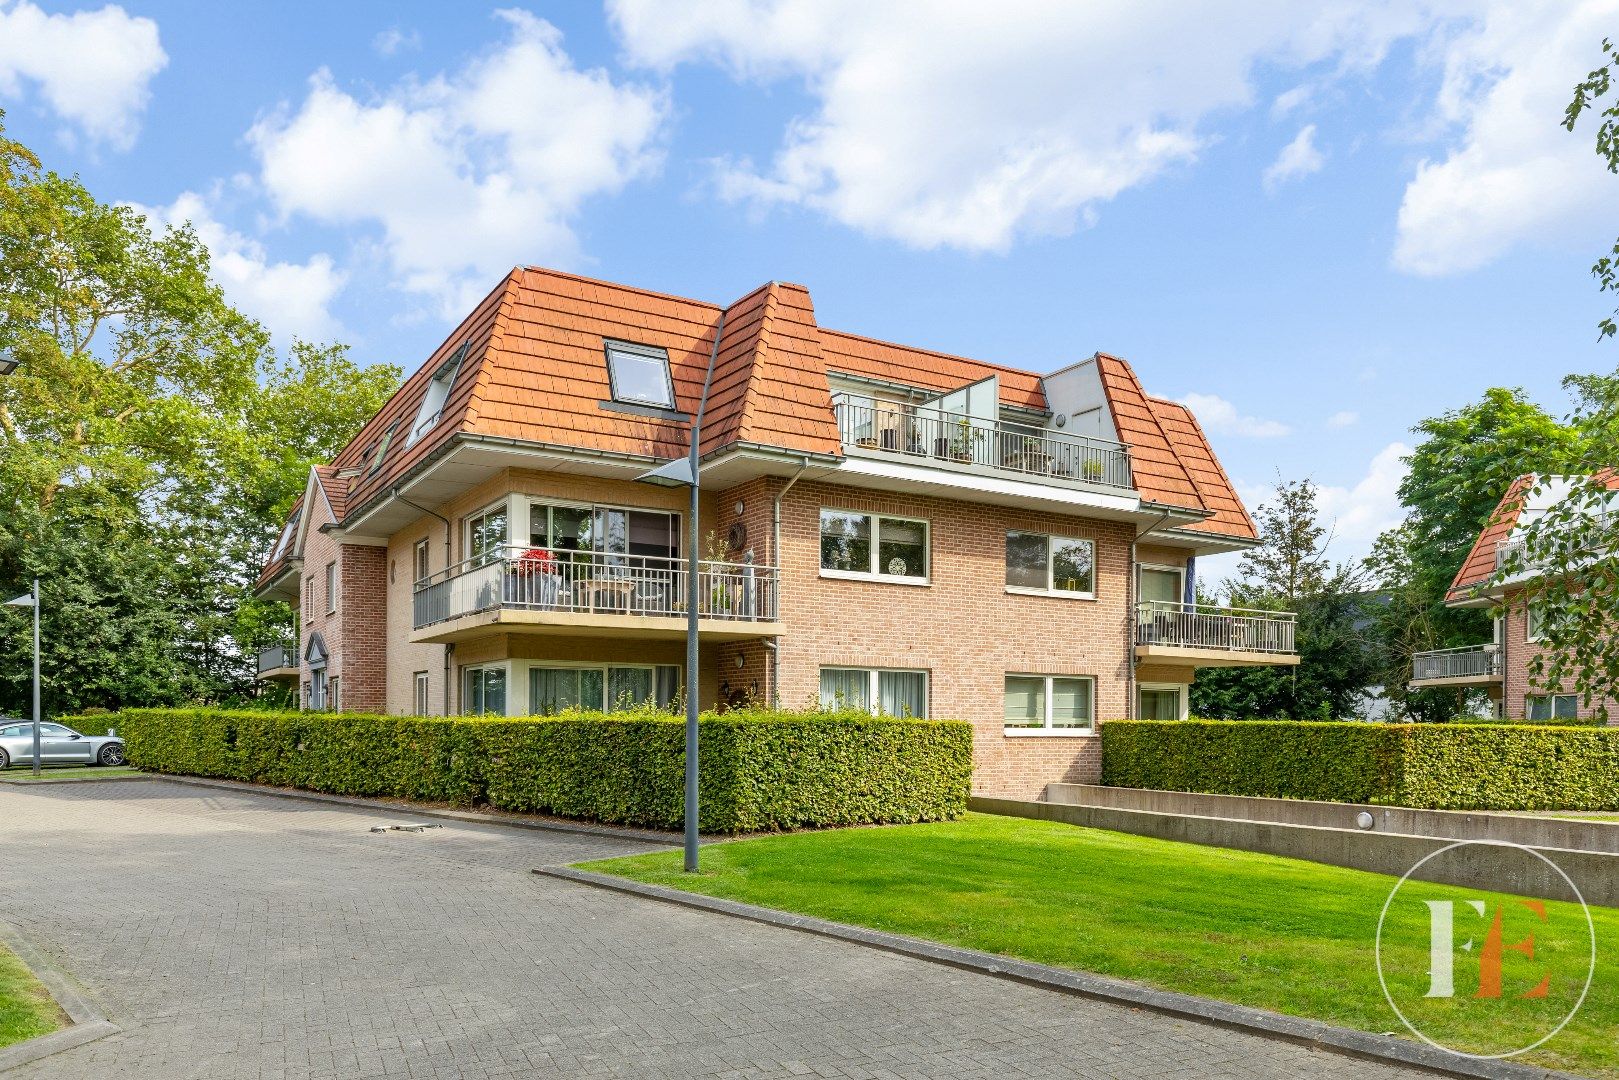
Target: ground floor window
x=877, y=691
x=1552, y=707
x=419, y=693
x=317, y=689
x=1050, y=703
x=608, y=687
x=335, y=693
x=1165, y=702
x=485, y=691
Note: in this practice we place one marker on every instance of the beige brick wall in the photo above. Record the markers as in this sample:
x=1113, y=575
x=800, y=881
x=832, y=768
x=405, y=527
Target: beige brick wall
x=962, y=628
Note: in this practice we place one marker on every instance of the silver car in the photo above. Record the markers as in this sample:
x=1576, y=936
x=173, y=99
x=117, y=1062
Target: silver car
x=58, y=745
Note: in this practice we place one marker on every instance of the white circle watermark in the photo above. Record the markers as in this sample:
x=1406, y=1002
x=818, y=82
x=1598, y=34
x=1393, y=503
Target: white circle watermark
x=1442, y=943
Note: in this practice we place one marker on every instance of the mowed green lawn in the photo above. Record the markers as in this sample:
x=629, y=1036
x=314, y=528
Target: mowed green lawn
x=1282, y=934
x=24, y=774
x=26, y=1007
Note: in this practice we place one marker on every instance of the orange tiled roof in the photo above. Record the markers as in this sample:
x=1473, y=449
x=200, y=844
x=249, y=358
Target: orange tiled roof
x=1214, y=488
x=281, y=554
x=534, y=371
x=1479, y=566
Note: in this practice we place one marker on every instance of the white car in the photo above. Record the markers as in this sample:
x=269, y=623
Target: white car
x=58, y=745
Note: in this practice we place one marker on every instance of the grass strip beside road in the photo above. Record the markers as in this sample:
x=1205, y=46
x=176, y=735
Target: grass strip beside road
x=1287, y=935
x=24, y=774
x=26, y=1007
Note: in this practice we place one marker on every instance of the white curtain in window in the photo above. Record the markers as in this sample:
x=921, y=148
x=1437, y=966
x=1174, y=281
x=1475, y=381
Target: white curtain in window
x=551, y=690
x=902, y=693
x=1070, y=703
x=1025, y=701
x=628, y=687
x=845, y=688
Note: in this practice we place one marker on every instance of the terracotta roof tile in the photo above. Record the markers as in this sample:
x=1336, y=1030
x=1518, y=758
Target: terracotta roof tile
x=535, y=370
x=1479, y=566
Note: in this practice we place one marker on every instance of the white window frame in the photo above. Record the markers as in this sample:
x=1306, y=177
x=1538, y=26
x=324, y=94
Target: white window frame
x=642, y=352
x=318, y=683
x=1047, y=731
x=421, y=561
x=548, y=503
x=873, y=528
x=331, y=588
x=1180, y=689
x=1533, y=633
x=601, y=666
x=334, y=689
x=484, y=511
x=420, y=693
x=1178, y=571
x=436, y=395
x=1051, y=563
x=873, y=696
x=1551, y=705
x=466, y=672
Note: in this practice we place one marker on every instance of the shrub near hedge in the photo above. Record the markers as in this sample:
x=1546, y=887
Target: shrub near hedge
x=760, y=770
x=1428, y=766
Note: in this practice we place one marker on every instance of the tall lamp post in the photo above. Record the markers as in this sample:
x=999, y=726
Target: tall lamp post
x=682, y=472
x=31, y=600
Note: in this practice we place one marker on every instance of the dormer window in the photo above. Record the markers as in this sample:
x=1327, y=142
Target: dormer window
x=438, y=392
x=640, y=375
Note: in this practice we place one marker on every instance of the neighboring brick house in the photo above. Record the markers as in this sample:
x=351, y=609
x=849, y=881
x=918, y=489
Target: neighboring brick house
x=884, y=526
x=1501, y=667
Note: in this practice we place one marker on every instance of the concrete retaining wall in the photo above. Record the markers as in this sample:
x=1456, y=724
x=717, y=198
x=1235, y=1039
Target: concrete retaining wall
x=1595, y=873
x=1450, y=824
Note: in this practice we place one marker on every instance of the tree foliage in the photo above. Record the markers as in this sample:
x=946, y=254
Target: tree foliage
x=1290, y=571
x=151, y=442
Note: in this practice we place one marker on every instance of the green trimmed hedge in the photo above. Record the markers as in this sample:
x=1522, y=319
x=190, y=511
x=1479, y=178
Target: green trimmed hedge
x=760, y=770
x=1429, y=766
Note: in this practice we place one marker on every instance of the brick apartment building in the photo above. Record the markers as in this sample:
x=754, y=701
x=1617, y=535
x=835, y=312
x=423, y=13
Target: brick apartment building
x=1501, y=666
x=884, y=526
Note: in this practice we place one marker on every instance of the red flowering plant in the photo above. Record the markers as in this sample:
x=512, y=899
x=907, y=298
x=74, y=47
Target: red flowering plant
x=536, y=561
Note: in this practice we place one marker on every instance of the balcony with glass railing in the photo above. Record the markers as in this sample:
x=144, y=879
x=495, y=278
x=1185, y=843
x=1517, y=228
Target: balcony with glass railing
x=557, y=590
x=948, y=440
x=1208, y=635
x=1472, y=665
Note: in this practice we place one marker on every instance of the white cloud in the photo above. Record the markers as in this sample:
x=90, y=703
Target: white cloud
x=969, y=125
x=394, y=40
x=289, y=298
x=1360, y=513
x=93, y=68
x=467, y=173
x=1515, y=175
x=1298, y=158
x=1218, y=414
x=1344, y=418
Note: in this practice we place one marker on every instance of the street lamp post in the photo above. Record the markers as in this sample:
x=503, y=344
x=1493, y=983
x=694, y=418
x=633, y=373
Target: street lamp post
x=682, y=472
x=31, y=600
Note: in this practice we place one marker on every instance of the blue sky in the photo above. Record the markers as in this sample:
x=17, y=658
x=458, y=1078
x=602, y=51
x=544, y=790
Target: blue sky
x=1318, y=226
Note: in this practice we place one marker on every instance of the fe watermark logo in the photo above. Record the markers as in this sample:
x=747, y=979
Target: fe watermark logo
x=1480, y=974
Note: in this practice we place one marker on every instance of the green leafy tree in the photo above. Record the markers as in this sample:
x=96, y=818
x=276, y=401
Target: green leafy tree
x=1290, y=570
x=151, y=443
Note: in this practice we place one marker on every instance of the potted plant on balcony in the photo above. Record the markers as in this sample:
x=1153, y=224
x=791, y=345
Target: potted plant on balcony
x=1092, y=469
x=534, y=578
x=966, y=441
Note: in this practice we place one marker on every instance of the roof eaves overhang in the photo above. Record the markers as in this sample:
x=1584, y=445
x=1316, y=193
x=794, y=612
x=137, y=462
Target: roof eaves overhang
x=289, y=569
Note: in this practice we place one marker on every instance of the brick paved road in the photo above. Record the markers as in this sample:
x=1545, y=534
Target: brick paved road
x=238, y=935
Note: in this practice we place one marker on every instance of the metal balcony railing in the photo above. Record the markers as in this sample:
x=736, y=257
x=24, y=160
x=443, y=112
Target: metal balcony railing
x=933, y=435
x=1516, y=550
x=593, y=582
x=278, y=656
x=1204, y=626
x=1472, y=661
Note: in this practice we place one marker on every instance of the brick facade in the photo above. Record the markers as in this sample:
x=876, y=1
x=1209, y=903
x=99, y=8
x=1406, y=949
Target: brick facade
x=962, y=627
x=1517, y=683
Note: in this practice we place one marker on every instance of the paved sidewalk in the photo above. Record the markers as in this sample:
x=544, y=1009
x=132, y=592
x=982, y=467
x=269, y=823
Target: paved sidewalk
x=241, y=935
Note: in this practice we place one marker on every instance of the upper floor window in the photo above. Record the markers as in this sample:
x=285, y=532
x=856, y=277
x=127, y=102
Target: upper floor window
x=1533, y=624
x=422, y=560
x=608, y=529
x=1050, y=565
x=874, y=546
x=486, y=534
x=639, y=374
x=437, y=393
x=331, y=587
x=380, y=451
